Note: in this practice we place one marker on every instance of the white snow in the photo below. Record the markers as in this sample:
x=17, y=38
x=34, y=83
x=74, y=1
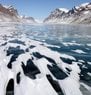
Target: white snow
x=89, y=63
x=86, y=86
x=79, y=51
x=42, y=65
x=8, y=6
x=67, y=56
x=89, y=74
x=35, y=87
x=70, y=85
x=71, y=43
x=84, y=4
x=39, y=86
x=39, y=21
x=89, y=45
x=77, y=7
x=81, y=61
x=86, y=12
x=64, y=9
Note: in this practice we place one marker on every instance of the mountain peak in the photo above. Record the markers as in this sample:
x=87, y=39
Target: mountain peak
x=10, y=14
x=64, y=10
x=79, y=14
x=84, y=4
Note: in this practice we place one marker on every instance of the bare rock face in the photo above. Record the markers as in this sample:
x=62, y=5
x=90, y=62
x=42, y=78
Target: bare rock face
x=8, y=13
x=79, y=14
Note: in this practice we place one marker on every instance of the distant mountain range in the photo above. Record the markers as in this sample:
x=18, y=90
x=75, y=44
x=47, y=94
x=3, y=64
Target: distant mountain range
x=10, y=14
x=78, y=15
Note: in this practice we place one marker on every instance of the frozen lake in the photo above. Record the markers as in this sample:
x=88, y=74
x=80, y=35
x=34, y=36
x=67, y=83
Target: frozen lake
x=59, y=55
x=74, y=40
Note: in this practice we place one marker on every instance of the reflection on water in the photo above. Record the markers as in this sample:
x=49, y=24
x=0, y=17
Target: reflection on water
x=58, y=32
x=70, y=38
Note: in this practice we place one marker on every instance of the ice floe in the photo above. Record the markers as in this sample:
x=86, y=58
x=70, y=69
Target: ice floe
x=79, y=51
x=34, y=69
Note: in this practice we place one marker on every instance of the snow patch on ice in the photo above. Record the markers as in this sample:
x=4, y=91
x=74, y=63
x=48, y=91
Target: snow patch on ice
x=79, y=51
x=63, y=9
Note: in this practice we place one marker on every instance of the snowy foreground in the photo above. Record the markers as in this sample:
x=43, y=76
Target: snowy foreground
x=28, y=67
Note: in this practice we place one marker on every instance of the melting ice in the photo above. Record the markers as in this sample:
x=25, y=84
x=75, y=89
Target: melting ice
x=45, y=60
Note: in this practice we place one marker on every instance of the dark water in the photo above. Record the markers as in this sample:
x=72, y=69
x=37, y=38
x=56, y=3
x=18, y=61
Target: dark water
x=73, y=40
x=68, y=38
x=65, y=39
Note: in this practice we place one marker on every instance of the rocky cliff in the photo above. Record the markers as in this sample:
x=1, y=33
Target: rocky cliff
x=10, y=14
x=79, y=14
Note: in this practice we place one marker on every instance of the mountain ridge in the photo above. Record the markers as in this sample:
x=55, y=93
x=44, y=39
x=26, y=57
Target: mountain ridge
x=10, y=14
x=78, y=14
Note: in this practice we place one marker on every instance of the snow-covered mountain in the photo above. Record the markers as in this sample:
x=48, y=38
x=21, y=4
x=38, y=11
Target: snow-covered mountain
x=27, y=19
x=10, y=14
x=78, y=14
